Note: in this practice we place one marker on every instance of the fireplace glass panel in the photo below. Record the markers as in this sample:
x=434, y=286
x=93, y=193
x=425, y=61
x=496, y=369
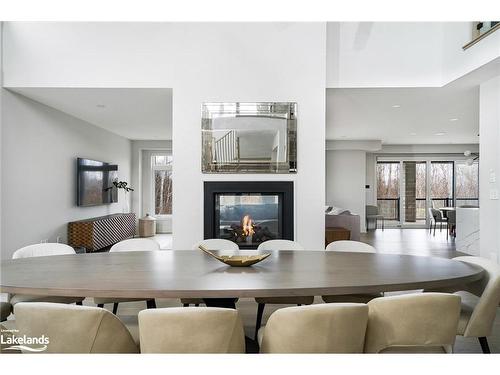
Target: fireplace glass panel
x=248, y=219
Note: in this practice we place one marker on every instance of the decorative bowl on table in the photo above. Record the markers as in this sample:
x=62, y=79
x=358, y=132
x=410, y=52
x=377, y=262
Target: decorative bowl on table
x=236, y=260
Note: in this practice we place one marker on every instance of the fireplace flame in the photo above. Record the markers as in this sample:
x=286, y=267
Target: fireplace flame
x=247, y=225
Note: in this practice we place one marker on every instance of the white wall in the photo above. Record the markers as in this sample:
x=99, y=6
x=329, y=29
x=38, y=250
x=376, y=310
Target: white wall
x=489, y=127
x=39, y=149
x=201, y=62
x=345, y=181
x=252, y=62
x=403, y=54
x=384, y=54
x=371, y=180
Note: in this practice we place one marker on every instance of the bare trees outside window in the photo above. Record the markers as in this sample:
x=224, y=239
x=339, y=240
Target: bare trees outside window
x=441, y=180
x=467, y=184
x=451, y=183
x=388, y=179
x=420, y=187
x=162, y=184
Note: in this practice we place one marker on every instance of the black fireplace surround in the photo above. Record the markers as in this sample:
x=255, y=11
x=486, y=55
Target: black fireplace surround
x=248, y=212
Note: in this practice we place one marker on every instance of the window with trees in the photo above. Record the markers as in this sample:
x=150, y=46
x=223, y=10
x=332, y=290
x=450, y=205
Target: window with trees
x=441, y=180
x=467, y=184
x=162, y=183
x=388, y=180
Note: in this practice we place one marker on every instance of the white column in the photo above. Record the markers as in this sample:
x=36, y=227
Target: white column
x=489, y=168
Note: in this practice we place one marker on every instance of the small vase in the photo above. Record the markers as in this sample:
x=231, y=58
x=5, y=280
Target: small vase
x=126, y=206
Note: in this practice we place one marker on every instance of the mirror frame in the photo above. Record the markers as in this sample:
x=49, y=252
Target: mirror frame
x=282, y=110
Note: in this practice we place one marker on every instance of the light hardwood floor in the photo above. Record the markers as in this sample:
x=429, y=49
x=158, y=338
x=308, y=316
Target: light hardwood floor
x=412, y=242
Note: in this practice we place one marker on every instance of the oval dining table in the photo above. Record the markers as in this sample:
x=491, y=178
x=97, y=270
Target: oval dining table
x=193, y=274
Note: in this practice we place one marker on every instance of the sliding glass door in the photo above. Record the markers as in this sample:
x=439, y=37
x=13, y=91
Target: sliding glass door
x=388, y=189
x=406, y=189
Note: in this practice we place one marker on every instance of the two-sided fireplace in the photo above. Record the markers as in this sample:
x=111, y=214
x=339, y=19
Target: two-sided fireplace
x=247, y=212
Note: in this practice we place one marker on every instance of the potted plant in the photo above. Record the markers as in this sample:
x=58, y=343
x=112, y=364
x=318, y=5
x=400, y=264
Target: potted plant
x=123, y=185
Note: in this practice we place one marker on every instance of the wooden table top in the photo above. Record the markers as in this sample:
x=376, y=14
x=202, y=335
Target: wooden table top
x=175, y=274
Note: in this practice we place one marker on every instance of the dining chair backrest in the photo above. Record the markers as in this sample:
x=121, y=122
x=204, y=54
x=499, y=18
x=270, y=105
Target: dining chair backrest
x=43, y=249
x=135, y=244
x=431, y=214
x=350, y=246
x=321, y=328
x=216, y=244
x=73, y=329
x=191, y=330
x=436, y=214
x=487, y=289
x=371, y=210
x=412, y=323
x=452, y=216
x=280, y=245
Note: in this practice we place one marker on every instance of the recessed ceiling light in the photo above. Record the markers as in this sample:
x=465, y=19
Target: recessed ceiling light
x=440, y=133
x=100, y=105
x=413, y=133
x=453, y=119
x=396, y=106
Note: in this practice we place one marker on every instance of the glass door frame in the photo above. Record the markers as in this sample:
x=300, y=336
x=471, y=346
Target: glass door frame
x=428, y=159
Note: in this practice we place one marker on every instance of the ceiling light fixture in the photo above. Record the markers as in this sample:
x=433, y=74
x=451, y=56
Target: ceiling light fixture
x=396, y=106
x=440, y=133
x=473, y=157
x=413, y=133
x=453, y=119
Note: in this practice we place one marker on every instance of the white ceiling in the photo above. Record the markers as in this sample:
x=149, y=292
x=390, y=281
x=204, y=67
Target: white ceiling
x=351, y=114
x=144, y=114
x=368, y=114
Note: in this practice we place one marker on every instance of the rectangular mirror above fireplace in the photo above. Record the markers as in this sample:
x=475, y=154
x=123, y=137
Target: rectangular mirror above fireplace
x=249, y=137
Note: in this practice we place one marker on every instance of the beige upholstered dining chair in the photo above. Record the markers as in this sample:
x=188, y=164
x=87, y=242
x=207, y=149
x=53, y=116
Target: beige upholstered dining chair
x=323, y=328
x=201, y=330
x=274, y=245
x=213, y=244
x=412, y=323
x=133, y=244
x=480, y=301
x=74, y=329
x=40, y=250
x=351, y=247
x=216, y=244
